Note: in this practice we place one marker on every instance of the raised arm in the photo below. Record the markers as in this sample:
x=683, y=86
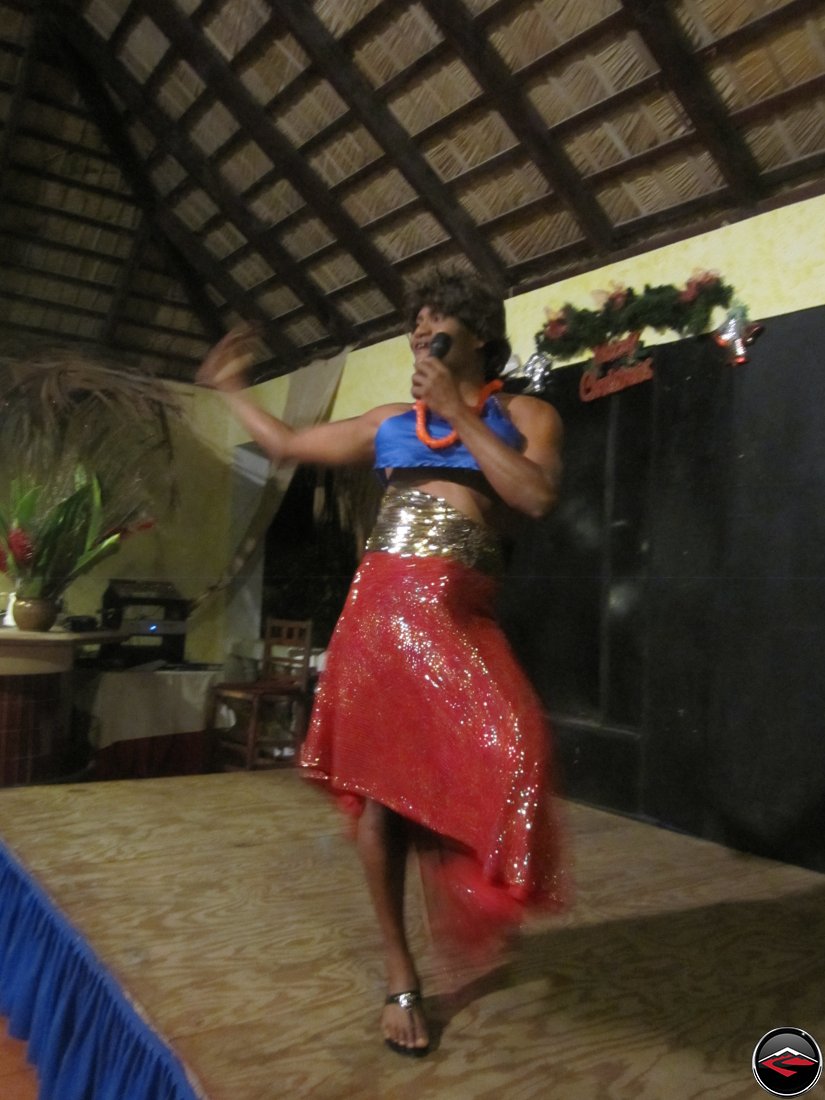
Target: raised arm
x=345, y=442
x=342, y=443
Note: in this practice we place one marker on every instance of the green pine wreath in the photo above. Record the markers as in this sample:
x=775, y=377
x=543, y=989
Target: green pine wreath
x=686, y=310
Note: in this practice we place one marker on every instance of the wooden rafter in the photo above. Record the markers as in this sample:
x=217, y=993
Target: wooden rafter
x=179, y=146
x=163, y=69
x=212, y=68
x=685, y=76
x=504, y=91
x=100, y=107
x=758, y=28
x=20, y=94
x=349, y=41
x=578, y=42
x=379, y=121
x=805, y=92
x=57, y=276
x=100, y=317
x=41, y=331
x=123, y=286
x=282, y=100
x=209, y=269
x=80, y=219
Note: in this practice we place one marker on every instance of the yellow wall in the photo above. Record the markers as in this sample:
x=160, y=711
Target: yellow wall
x=188, y=545
x=776, y=262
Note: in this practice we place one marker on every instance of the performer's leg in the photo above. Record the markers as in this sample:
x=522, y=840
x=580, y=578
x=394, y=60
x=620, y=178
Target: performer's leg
x=382, y=845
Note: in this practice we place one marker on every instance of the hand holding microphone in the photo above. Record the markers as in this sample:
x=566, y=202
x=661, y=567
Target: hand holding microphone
x=431, y=370
x=440, y=345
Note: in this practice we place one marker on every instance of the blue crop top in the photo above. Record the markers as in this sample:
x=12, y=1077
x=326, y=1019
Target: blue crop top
x=398, y=447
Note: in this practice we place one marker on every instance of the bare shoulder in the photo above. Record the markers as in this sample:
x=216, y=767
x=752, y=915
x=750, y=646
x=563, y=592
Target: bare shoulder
x=532, y=416
x=376, y=416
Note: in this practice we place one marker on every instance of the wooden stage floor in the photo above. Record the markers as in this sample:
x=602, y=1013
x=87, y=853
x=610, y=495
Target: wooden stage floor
x=230, y=908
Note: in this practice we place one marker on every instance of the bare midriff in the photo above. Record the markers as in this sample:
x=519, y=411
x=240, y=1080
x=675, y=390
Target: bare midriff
x=465, y=490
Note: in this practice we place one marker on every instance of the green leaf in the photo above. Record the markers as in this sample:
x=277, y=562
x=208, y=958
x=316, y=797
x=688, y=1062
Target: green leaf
x=24, y=507
x=95, y=514
x=93, y=556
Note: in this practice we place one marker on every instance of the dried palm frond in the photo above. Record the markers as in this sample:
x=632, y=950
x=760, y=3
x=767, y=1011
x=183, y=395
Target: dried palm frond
x=60, y=410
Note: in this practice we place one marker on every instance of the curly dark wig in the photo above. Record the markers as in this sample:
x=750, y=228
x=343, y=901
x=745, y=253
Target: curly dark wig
x=463, y=296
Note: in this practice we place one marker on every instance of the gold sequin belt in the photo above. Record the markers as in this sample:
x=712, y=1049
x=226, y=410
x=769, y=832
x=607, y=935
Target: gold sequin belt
x=415, y=524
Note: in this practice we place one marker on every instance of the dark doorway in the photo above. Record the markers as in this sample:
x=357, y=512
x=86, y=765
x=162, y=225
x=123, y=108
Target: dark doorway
x=309, y=559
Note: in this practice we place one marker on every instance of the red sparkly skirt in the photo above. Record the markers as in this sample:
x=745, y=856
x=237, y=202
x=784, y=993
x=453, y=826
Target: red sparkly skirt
x=422, y=707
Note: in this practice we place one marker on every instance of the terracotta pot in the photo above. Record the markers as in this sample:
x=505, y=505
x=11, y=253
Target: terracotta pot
x=31, y=613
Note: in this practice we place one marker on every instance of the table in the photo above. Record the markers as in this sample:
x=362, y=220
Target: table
x=35, y=699
x=37, y=653
x=147, y=722
x=133, y=704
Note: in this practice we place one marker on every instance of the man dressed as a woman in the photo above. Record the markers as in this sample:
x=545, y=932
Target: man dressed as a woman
x=424, y=726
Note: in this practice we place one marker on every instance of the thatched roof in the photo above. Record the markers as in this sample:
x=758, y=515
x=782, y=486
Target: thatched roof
x=170, y=166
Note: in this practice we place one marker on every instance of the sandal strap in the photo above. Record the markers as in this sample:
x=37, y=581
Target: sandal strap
x=406, y=1000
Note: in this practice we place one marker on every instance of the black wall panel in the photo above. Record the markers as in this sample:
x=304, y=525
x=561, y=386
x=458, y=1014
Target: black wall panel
x=766, y=763
x=689, y=459
x=672, y=611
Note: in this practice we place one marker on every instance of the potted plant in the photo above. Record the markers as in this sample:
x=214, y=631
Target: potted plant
x=85, y=458
x=47, y=540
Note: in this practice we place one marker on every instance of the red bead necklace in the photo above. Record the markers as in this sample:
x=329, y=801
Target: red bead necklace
x=448, y=440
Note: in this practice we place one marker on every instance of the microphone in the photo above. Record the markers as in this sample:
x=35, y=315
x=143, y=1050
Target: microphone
x=440, y=345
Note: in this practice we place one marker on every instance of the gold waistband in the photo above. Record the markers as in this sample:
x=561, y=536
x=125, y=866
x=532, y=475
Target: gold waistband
x=415, y=524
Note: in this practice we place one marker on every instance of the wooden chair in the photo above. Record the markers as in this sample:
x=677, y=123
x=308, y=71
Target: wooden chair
x=277, y=702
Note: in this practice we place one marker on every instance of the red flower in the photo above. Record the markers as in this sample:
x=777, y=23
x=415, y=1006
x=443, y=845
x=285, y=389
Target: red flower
x=617, y=299
x=697, y=282
x=4, y=564
x=556, y=326
x=20, y=546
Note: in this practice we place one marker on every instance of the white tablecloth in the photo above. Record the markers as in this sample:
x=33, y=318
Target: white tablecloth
x=128, y=705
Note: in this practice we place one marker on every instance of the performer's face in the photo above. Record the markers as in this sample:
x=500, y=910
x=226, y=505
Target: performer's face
x=465, y=344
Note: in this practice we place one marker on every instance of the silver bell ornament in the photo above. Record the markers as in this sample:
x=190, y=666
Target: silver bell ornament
x=737, y=333
x=535, y=372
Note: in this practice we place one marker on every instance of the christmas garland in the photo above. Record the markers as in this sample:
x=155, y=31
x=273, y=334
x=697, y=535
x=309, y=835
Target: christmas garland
x=686, y=310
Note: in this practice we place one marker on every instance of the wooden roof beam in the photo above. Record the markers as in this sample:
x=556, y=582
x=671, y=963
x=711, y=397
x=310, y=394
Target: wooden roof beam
x=213, y=272
x=504, y=92
x=20, y=94
x=211, y=181
x=102, y=111
x=759, y=27
x=167, y=63
x=129, y=353
x=212, y=68
x=341, y=72
x=126, y=277
x=348, y=41
x=63, y=249
x=687, y=79
x=262, y=40
x=188, y=258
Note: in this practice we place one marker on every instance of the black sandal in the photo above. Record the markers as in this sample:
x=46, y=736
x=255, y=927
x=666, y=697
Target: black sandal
x=408, y=1000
